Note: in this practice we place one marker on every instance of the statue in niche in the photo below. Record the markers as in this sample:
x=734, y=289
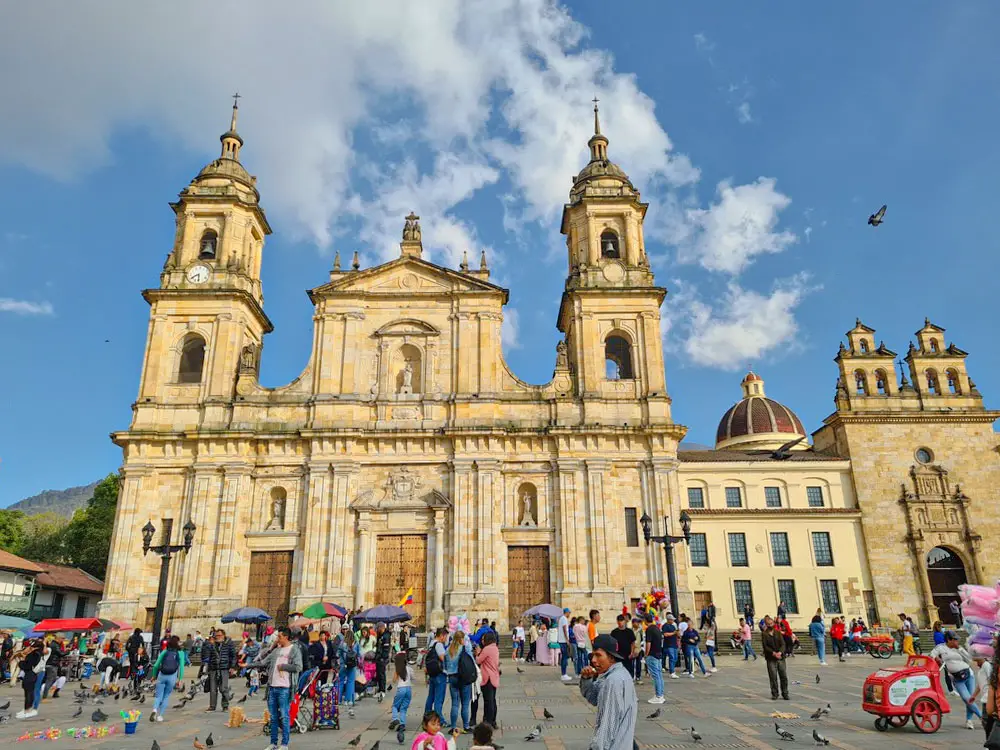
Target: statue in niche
x=407, y=386
x=529, y=506
x=248, y=359
x=562, y=359
x=277, y=522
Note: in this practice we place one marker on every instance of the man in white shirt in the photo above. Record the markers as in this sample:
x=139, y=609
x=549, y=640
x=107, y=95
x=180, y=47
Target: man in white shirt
x=563, y=637
x=519, y=642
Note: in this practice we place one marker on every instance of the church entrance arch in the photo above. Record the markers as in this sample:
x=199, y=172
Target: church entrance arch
x=945, y=572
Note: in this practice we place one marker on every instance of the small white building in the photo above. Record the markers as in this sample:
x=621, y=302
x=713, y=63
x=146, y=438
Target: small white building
x=65, y=591
x=17, y=584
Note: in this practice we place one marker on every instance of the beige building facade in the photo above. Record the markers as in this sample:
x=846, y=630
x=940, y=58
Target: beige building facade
x=408, y=455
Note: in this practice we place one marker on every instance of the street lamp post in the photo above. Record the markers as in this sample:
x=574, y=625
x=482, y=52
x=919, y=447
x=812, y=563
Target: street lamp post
x=668, y=543
x=166, y=551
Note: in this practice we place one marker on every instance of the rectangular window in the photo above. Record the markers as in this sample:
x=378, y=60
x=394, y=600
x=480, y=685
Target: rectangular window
x=815, y=496
x=738, y=550
x=772, y=497
x=81, y=606
x=779, y=548
x=821, y=548
x=786, y=594
x=831, y=597
x=699, y=551
x=631, y=528
x=744, y=595
x=696, y=497
x=734, y=499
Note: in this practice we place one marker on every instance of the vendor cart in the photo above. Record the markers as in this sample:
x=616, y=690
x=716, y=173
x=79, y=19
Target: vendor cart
x=912, y=692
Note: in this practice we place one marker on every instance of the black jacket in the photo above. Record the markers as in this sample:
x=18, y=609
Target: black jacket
x=219, y=655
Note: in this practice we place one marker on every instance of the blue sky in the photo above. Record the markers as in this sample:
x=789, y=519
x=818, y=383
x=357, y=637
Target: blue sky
x=476, y=115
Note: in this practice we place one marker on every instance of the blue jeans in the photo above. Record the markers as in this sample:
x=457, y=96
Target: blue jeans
x=654, y=667
x=820, y=644
x=400, y=704
x=436, y=688
x=582, y=659
x=711, y=654
x=693, y=654
x=463, y=694
x=347, y=679
x=671, y=652
x=164, y=687
x=277, y=705
x=965, y=688
x=39, y=684
x=748, y=651
x=563, y=657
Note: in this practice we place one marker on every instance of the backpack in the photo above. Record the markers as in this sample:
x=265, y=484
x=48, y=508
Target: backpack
x=351, y=659
x=171, y=662
x=432, y=662
x=466, y=669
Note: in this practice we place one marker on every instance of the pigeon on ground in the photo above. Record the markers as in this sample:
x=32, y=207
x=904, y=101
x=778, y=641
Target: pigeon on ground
x=520, y=671
x=547, y=714
x=5, y=706
x=821, y=711
x=209, y=741
x=155, y=745
x=355, y=742
x=98, y=716
x=876, y=218
x=84, y=687
x=820, y=739
x=535, y=733
x=654, y=715
x=198, y=745
x=375, y=746
x=79, y=711
x=785, y=735
x=400, y=735
x=142, y=699
x=817, y=679
x=695, y=737
x=117, y=696
x=244, y=698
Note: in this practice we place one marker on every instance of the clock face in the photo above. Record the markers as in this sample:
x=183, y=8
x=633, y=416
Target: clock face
x=198, y=274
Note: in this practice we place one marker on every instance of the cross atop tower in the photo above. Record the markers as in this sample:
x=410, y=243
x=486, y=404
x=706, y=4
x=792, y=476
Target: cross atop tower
x=236, y=100
x=597, y=122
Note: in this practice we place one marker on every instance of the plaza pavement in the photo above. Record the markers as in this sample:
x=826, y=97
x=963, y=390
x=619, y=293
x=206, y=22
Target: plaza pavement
x=730, y=710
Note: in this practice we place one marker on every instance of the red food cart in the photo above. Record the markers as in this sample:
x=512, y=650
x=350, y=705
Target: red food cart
x=912, y=692
x=878, y=646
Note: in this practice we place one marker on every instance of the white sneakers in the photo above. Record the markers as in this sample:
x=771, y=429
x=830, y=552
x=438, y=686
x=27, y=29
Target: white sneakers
x=26, y=714
x=656, y=699
x=969, y=724
x=159, y=718
x=566, y=678
x=673, y=676
x=823, y=664
x=713, y=670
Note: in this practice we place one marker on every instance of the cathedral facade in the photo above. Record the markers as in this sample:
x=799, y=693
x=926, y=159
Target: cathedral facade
x=407, y=455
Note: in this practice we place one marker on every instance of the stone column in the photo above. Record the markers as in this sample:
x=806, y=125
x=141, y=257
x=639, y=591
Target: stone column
x=364, y=543
x=571, y=544
x=316, y=515
x=223, y=575
x=436, y=617
x=339, y=562
x=488, y=525
x=463, y=565
x=596, y=522
x=126, y=538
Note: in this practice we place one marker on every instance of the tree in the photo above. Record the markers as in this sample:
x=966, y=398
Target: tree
x=86, y=540
x=43, y=538
x=11, y=530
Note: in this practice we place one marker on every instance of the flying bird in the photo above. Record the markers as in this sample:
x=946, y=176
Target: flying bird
x=654, y=715
x=820, y=739
x=198, y=745
x=98, y=716
x=79, y=711
x=209, y=741
x=695, y=737
x=876, y=218
x=547, y=714
x=817, y=679
x=355, y=742
x=535, y=733
x=785, y=735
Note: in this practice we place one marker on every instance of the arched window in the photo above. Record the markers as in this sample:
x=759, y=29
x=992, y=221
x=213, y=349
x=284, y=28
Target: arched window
x=881, y=384
x=192, y=359
x=934, y=345
x=933, y=386
x=864, y=346
x=618, y=358
x=609, y=244
x=954, y=387
x=209, y=244
x=860, y=383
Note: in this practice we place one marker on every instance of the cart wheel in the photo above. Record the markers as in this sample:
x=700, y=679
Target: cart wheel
x=881, y=723
x=898, y=721
x=926, y=715
x=884, y=651
x=303, y=722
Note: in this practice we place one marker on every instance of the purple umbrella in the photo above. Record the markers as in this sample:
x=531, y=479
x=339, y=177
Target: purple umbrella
x=550, y=611
x=384, y=613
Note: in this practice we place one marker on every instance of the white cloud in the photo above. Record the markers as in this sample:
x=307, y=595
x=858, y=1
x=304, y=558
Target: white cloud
x=23, y=307
x=730, y=233
x=703, y=44
x=745, y=326
x=509, y=329
x=743, y=113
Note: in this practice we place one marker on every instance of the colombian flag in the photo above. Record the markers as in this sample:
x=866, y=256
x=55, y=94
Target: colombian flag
x=407, y=597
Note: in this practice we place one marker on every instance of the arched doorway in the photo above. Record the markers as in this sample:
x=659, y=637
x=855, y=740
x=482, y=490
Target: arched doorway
x=946, y=573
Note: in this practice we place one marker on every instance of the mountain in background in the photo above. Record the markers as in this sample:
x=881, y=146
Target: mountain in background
x=61, y=502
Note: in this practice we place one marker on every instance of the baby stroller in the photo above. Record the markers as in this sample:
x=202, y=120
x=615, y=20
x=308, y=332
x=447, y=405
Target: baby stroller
x=368, y=671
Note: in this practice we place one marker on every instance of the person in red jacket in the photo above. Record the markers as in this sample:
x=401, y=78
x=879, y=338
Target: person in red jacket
x=838, y=633
x=785, y=629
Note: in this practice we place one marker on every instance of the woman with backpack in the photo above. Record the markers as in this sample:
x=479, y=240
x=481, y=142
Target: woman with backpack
x=348, y=656
x=461, y=670
x=168, y=669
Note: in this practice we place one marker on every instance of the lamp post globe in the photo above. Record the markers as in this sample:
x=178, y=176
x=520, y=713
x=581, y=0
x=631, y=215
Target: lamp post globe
x=147, y=536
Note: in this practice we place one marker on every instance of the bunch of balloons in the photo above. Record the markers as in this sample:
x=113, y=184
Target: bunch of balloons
x=980, y=617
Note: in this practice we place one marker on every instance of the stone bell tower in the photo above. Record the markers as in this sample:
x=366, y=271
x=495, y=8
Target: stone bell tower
x=207, y=320
x=610, y=309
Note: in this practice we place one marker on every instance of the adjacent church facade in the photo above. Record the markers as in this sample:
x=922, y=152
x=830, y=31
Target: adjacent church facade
x=408, y=455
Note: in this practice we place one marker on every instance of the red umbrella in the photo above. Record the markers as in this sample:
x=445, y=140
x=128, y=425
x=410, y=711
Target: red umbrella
x=70, y=625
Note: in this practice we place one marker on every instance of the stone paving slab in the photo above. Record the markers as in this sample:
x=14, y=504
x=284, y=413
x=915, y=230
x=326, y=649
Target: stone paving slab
x=731, y=710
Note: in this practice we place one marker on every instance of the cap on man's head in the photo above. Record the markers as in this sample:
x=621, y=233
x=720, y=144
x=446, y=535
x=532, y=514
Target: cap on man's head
x=566, y=610
x=670, y=617
x=950, y=635
x=608, y=644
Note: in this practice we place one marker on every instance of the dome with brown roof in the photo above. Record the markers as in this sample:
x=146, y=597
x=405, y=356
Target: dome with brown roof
x=757, y=421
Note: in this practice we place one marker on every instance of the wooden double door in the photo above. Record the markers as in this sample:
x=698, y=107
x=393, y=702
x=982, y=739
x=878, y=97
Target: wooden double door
x=527, y=580
x=270, y=586
x=401, y=564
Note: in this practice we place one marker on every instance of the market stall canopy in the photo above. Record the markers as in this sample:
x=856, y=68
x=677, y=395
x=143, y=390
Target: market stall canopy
x=247, y=616
x=70, y=625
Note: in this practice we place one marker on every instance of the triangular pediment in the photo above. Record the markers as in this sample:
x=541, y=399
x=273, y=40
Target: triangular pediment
x=407, y=276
